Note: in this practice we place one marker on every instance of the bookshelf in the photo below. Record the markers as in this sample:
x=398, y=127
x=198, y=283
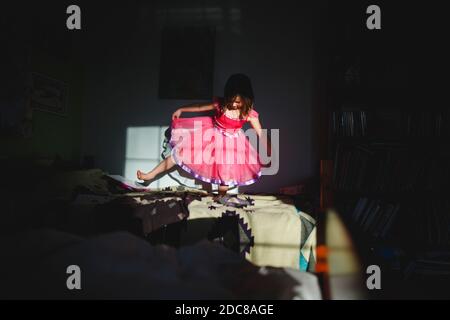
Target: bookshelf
x=390, y=185
x=390, y=155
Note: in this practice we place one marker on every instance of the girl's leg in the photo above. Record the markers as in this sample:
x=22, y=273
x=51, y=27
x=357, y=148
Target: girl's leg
x=163, y=166
x=223, y=190
x=221, y=197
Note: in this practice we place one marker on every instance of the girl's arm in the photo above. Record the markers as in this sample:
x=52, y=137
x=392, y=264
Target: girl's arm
x=258, y=128
x=196, y=107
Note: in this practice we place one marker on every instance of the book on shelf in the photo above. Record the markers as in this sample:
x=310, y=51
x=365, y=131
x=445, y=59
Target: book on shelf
x=374, y=216
x=390, y=123
x=390, y=220
x=428, y=217
x=385, y=168
x=349, y=123
x=427, y=268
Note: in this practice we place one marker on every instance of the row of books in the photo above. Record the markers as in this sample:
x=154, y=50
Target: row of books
x=374, y=216
x=432, y=222
x=429, y=263
x=427, y=268
x=349, y=123
x=426, y=124
x=386, y=168
x=418, y=231
x=391, y=123
x=423, y=223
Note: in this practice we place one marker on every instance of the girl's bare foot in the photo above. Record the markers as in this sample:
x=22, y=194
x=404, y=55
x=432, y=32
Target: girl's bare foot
x=144, y=176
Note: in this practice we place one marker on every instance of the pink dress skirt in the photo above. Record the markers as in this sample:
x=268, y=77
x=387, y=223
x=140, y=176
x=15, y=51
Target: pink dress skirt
x=215, y=150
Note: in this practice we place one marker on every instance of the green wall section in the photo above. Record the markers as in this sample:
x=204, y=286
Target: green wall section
x=53, y=135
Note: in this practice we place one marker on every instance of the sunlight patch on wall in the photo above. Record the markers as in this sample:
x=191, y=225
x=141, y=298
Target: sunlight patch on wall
x=144, y=146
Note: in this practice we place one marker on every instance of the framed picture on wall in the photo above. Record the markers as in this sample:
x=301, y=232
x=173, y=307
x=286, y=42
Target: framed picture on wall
x=48, y=94
x=187, y=62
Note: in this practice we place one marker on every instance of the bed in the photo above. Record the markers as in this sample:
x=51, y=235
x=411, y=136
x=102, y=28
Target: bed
x=267, y=230
x=80, y=215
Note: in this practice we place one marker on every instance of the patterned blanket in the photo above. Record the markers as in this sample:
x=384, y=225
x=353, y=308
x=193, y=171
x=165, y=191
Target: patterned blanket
x=268, y=230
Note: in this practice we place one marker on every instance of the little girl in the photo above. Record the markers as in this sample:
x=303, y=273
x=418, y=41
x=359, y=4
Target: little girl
x=225, y=137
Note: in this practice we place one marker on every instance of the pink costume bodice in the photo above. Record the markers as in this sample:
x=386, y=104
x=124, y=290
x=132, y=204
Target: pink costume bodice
x=223, y=121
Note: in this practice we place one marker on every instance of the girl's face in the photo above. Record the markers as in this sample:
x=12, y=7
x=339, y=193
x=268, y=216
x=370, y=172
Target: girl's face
x=237, y=103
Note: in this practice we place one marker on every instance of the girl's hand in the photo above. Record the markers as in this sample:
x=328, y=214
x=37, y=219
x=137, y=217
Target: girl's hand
x=176, y=114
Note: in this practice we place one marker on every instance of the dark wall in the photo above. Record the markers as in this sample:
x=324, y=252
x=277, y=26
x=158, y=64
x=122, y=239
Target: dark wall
x=34, y=38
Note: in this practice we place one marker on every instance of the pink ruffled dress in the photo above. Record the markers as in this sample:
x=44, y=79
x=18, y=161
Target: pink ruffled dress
x=216, y=149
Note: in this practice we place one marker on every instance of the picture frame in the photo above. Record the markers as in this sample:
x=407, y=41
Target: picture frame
x=187, y=62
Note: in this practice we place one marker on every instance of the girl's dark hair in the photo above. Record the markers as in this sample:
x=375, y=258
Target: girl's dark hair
x=239, y=85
